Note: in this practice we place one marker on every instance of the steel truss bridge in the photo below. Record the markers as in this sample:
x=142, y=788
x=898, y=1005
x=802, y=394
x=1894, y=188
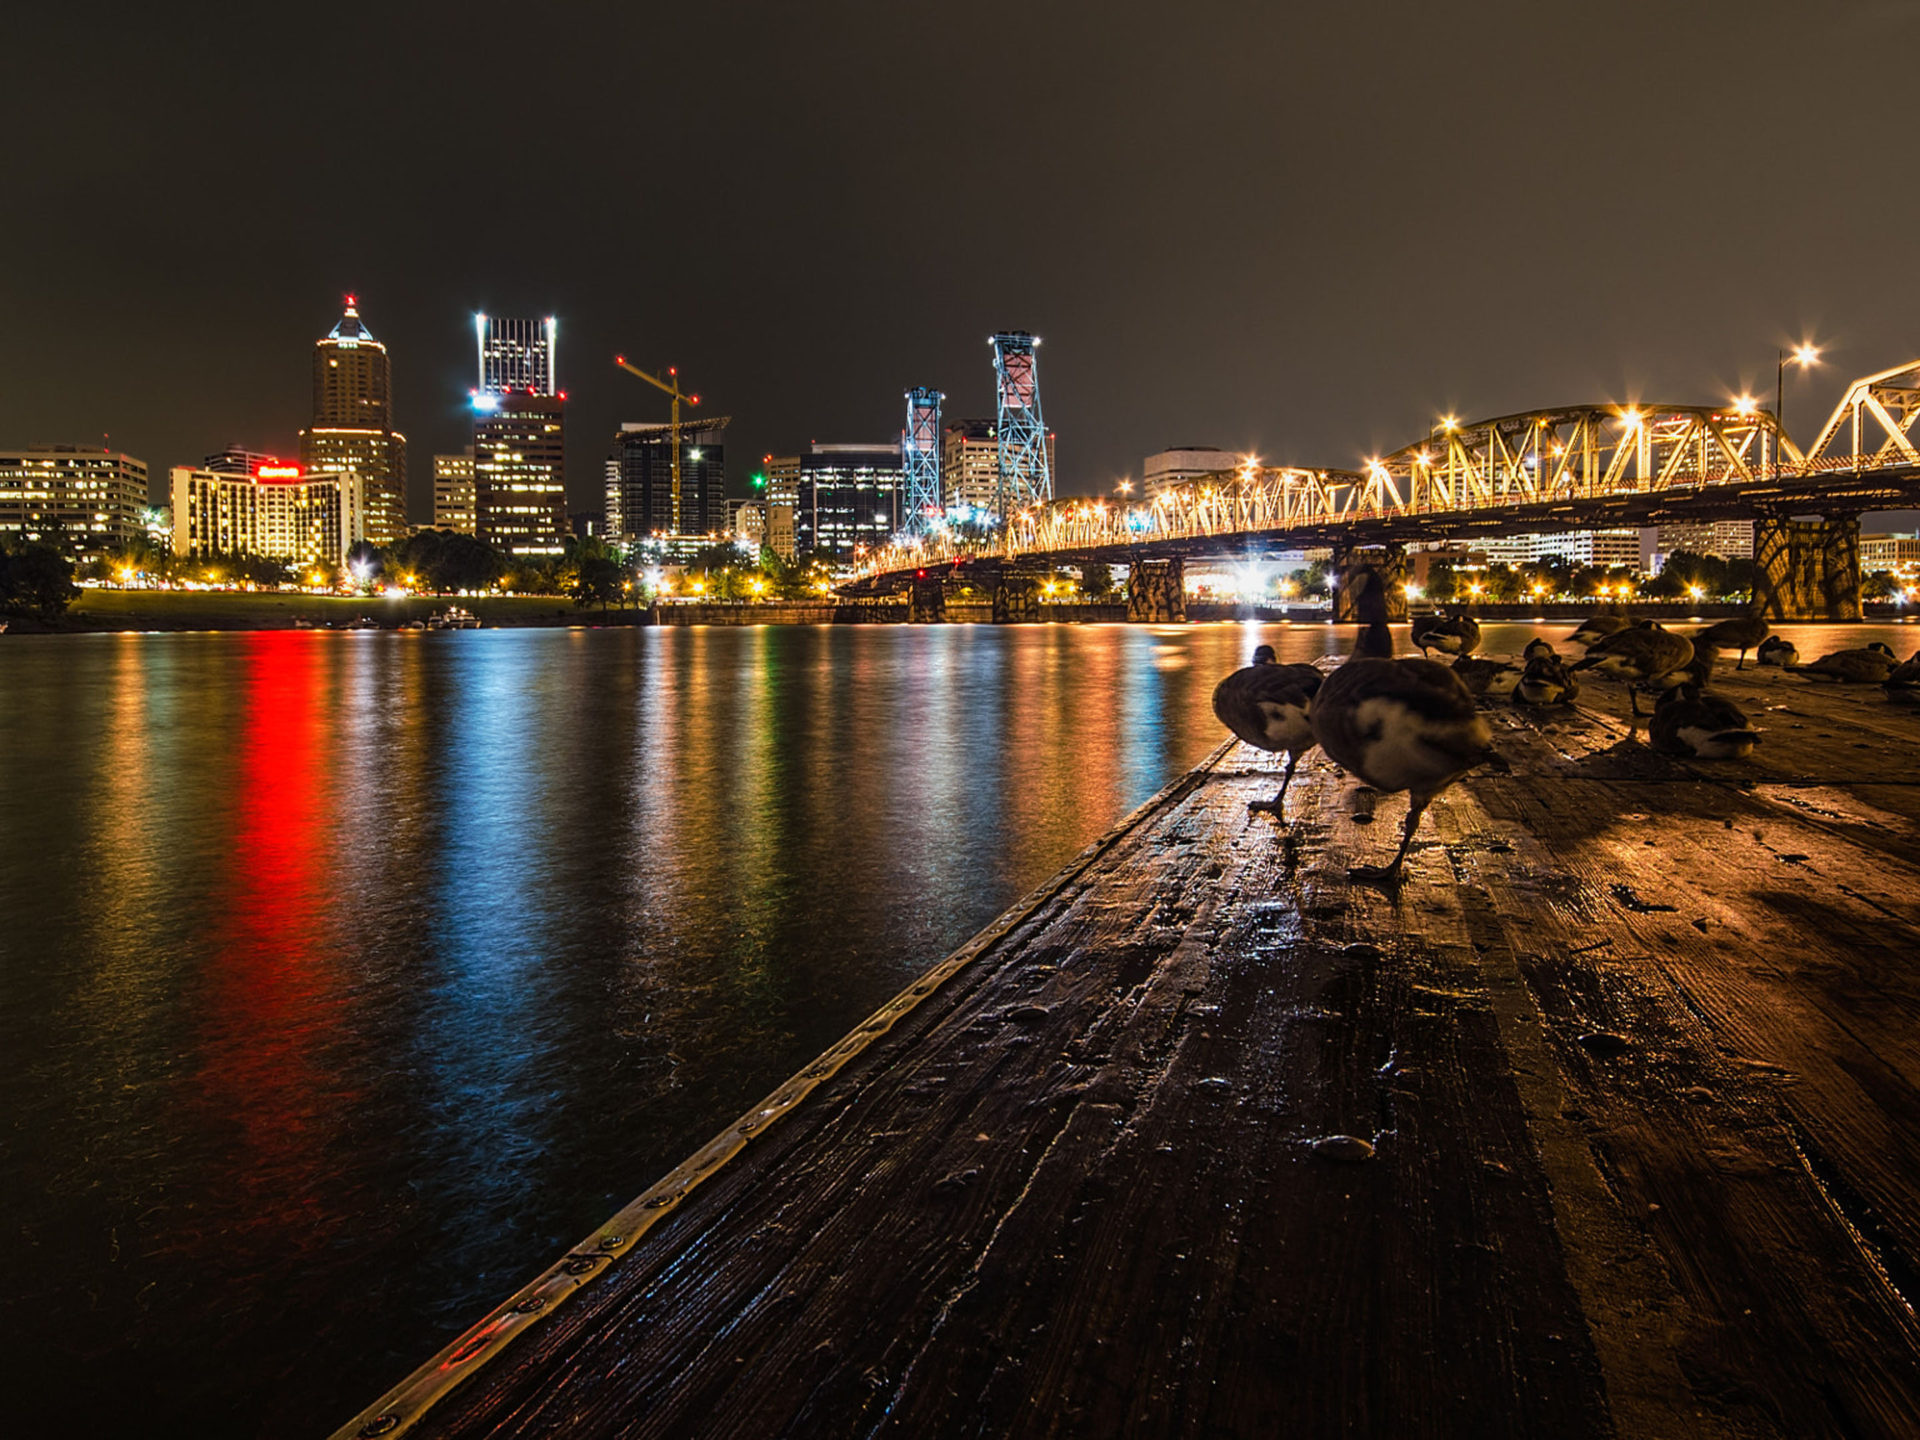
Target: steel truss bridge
x=1590, y=467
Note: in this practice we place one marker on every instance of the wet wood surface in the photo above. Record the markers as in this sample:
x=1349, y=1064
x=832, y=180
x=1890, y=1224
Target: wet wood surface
x=1604, y=1122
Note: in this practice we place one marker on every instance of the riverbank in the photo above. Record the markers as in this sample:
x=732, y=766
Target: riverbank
x=99, y=609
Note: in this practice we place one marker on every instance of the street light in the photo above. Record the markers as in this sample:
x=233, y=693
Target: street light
x=1803, y=356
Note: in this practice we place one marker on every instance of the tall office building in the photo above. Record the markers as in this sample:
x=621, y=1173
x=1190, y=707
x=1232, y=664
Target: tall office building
x=453, y=492
x=519, y=438
x=352, y=430
x=851, y=496
x=640, y=481
x=84, y=500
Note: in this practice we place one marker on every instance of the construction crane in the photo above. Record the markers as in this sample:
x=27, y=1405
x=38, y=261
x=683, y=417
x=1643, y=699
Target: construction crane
x=672, y=387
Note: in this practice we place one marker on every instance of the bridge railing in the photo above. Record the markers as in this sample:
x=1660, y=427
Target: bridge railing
x=1536, y=457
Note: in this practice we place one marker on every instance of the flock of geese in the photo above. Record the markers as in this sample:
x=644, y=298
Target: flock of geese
x=1413, y=724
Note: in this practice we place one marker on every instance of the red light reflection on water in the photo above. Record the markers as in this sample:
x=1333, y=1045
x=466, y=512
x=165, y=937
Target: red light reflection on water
x=273, y=998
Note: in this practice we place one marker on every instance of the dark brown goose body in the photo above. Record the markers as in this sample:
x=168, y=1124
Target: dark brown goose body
x=1870, y=665
x=1704, y=727
x=1546, y=681
x=1266, y=706
x=1400, y=725
x=1741, y=633
x=1640, y=655
x=1450, y=635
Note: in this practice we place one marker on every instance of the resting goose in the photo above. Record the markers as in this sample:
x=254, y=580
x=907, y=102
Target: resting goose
x=1597, y=627
x=1869, y=665
x=1538, y=649
x=1903, y=684
x=1741, y=633
x=1640, y=655
x=1458, y=635
x=1480, y=676
x=1706, y=727
x=1266, y=705
x=1775, y=651
x=1400, y=725
x=1546, y=681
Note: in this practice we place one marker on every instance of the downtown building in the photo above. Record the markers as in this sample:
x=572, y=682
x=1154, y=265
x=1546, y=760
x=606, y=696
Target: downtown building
x=280, y=512
x=519, y=438
x=639, y=483
x=79, y=499
x=849, y=498
x=970, y=469
x=1728, y=539
x=352, y=430
x=1606, y=548
x=453, y=505
x=1182, y=465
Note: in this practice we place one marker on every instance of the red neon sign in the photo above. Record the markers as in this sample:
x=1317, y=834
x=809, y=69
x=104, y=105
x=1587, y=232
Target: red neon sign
x=277, y=472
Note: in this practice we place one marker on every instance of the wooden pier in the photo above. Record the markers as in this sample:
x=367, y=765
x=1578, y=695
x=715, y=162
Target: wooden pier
x=1605, y=1122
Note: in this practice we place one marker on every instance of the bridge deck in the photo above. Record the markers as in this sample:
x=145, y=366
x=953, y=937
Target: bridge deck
x=1637, y=1044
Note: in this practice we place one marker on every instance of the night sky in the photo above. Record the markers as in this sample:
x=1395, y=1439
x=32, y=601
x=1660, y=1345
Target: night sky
x=1300, y=229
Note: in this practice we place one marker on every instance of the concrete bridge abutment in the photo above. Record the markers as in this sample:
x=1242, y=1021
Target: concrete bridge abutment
x=927, y=601
x=1807, y=569
x=1157, y=591
x=1016, y=598
x=1387, y=562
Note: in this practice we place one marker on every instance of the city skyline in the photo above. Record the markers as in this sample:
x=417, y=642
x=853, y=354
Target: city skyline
x=1235, y=230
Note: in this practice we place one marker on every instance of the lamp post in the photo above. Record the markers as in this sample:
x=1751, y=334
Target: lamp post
x=1803, y=356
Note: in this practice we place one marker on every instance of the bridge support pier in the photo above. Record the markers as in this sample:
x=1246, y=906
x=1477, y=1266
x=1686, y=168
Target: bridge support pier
x=1388, y=562
x=1807, y=569
x=1157, y=591
x=1016, y=598
x=927, y=602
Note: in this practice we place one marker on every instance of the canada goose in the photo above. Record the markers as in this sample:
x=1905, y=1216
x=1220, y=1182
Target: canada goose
x=1266, y=705
x=1596, y=628
x=1538, y=649
x=1903, y=684
x=1480, y=676
x=1546, y=681
x=1697, y=672
x=1370, y=608
x=1639, y=655
x=1458, y=635
x=1741, y=633
x=1869, y=665
x=1400, y=725
x=1685, y=722
x=1775, y=651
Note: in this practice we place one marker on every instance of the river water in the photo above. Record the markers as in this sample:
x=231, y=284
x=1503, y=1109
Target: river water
x=347, y=978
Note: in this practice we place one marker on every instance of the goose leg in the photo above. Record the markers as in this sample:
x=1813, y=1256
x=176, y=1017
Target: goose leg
x=1416, y=807
x=1279, y=802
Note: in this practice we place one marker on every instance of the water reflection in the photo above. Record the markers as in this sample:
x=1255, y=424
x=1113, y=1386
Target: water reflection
x=347, y=977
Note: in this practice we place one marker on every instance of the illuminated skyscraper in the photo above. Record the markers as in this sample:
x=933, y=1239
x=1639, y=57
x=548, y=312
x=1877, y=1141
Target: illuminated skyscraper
x=519, y=438
x=640, y=481
x=352, y=430
x=453, y=492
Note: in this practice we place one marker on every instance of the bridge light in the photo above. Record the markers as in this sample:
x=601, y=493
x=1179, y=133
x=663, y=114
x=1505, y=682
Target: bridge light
x=1806, y=354
x=1449, y=423
x=1743, y=404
